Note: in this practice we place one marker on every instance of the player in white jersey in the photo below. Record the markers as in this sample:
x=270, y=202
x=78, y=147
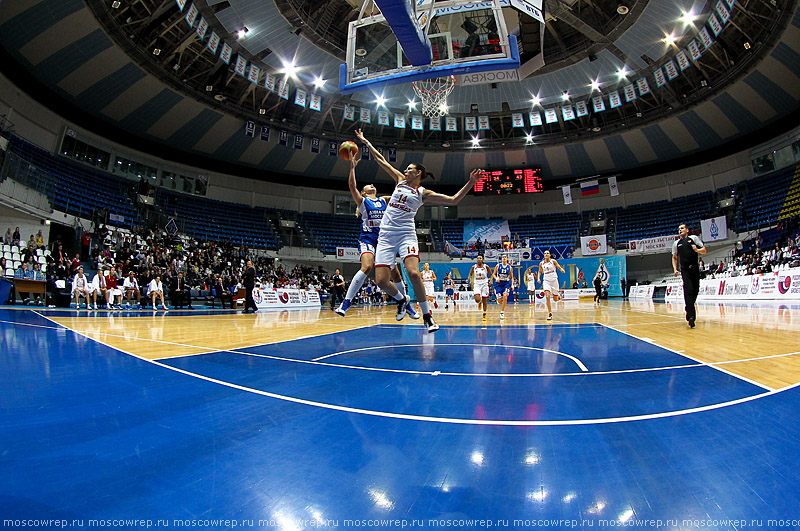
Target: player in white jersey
x=530, y=282
x=428, y=278
x=370, y=209
x=549, y=277
x=480, y=275
x=398, y=230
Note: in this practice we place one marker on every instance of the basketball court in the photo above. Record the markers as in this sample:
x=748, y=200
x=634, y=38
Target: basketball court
x=615, y=412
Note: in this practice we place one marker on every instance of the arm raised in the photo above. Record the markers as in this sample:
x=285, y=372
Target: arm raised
x=351, y=181
x=442, y=199
x=380, y=159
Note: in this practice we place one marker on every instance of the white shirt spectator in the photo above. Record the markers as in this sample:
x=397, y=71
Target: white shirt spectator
x=155, y=286
x=131, y=283
x=80, y=283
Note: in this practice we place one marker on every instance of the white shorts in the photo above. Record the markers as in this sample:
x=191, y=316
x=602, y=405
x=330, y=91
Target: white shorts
x=552, y=287
x=482, y=290
x=430, y=291
x=365, y=247
x=391, y=244
x=532, y=287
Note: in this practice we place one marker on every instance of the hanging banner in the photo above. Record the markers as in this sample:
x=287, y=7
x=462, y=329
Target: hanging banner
x=630, y=93
x=400, y=121
x=612, y=186
x=567, y=191
x=213, y=42
x=594, y=245
x=250, y=128
x=470, y=123
x=716, y=27
x=705, y=37
x=535, y=118
x=392, y=154
x=269, y=82
x=643, y=86
x=517, y=120
x=227, y=53
x=241, y=65
x=300, y=97
x=683, y=61
x=694, y=50
x=181, y=4
x=714, y=229
x=450, y=123
x=417, y=123
x=658, y=244
x=202, y=28
x=253, y=73
x=483, y=122
x=191, y=14
x=492, y=230
x=550, y=115
x=265, y=133
x=298, y=140
x=661, y=80
x=435, y=123
x=599, y=104
x=283, y=138
x=364, y=115
x=349, y=112
x=722, y=11
x=567, y=113
x=333, y=149
x=614, y=99
x=671, y=69
x=364, y=151
x=383, y=117
x=316, y=102
x=283, y=90
x=581, y=109
x=314, y=144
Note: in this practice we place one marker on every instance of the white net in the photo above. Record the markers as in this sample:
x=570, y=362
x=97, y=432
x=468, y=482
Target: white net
x=433, y=94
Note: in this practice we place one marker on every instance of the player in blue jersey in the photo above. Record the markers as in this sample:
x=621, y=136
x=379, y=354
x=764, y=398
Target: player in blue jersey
x=449, y=291
x=370, y=210
x=504, y=284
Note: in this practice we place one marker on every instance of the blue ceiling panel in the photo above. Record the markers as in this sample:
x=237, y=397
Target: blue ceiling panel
x=660, y=142
x=143, y=118
x=192, y=131
x=102, y=93
x=537, y=159
x=32, y=22
x=620, y=152
x=736, y=113
x=233, y=148
x=702, y=132
x=321, y=167
x=788, y=57
x=774, y=95
x=68, y=59
x=454, y=169
x=579, y=160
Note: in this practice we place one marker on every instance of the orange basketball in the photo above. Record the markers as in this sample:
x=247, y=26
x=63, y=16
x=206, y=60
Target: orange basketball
x=348, y=149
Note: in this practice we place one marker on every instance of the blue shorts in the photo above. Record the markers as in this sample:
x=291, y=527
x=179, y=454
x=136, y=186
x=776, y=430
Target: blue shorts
x=367, y=242
x=500, y=288
x=449, y=293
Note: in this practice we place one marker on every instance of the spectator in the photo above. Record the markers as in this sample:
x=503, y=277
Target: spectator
x=8, y=238
x=16, y=238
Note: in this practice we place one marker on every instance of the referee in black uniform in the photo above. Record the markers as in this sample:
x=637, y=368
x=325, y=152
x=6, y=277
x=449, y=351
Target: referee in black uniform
x=685, y=251
x=249, y=282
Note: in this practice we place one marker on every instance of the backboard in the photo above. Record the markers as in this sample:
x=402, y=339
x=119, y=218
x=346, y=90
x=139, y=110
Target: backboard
x=444, y=38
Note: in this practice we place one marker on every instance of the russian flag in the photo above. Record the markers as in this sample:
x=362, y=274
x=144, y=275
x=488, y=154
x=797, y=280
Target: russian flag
x=590, y=187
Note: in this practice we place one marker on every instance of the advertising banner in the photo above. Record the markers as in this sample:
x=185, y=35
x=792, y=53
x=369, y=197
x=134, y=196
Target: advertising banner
x=660, y=244
x=594, y=245
x=489, y=229
x=279, y=299
x=348, y=254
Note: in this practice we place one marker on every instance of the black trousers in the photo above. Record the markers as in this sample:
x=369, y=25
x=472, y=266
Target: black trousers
x=337, y=294
x=598, y=293
x=691, y=287
x=249, y=302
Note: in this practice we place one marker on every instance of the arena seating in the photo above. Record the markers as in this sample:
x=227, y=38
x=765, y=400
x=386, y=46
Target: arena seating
x=548, y=229
x=331, y=231
x=661, y=218
x=74, y=188
x=765, y=197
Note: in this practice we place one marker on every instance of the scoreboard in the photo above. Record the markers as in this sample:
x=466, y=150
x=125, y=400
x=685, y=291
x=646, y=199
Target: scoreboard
x=502, y=182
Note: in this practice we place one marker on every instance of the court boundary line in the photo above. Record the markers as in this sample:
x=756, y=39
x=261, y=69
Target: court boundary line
x=444, y=420
x=729, y=373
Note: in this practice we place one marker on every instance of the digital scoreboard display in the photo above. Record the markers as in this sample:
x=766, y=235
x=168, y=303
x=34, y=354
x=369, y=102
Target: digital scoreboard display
x=502, y=182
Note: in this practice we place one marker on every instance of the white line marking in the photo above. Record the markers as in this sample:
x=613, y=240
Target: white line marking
x=34, y=325
x=607, y=420
x=713, y=366
x=573, y=358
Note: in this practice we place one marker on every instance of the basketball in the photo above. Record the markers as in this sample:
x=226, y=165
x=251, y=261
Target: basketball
x=347, y=149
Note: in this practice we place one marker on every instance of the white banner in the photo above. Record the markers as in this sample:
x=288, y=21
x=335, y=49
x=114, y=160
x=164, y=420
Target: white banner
x=567, y=191
x=612, y=186
x=660, y=244
x=348, y=254
x=594, y=245
x=486, y=229
x=783, y=285
x=278, y=299
x=714, y=229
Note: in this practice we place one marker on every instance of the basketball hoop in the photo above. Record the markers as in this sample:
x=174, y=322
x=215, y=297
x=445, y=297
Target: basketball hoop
x=433, y=94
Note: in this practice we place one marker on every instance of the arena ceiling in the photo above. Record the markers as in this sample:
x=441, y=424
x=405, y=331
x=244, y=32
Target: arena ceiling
x=137, y=66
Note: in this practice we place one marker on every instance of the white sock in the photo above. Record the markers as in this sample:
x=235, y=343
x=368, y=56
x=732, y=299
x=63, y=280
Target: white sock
x=423, y=306
x=401, y=288
x=355, y=285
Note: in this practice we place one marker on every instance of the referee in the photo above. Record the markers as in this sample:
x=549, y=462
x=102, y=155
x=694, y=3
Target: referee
x=685, y=251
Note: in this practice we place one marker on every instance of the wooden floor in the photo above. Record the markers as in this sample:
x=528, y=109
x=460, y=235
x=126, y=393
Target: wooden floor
x=759, y=342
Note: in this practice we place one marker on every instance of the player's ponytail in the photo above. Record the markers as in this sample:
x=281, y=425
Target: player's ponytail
x=425, y=173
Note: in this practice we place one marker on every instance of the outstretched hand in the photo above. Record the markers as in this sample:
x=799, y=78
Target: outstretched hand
x=475, y=176
x=360, y=136
x=354, y=161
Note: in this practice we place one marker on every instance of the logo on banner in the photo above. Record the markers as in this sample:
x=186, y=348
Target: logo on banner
x=784, y=285
x=714, y=229
x=669, y=290
x=721, y=288
x=593, y=244
x=304, y=297
x=257, y=296
x=754, y=285
x=526, y=255
x=284, y=297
